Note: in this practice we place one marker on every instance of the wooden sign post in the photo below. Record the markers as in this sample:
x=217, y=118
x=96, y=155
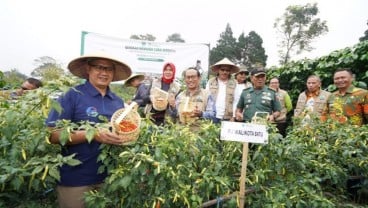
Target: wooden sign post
x=243, y=132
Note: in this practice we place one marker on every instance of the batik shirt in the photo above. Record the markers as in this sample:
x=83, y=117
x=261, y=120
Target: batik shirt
x=351, y=107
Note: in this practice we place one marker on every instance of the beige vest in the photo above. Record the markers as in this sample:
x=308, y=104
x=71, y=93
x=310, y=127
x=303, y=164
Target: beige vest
x=229, y=98
x=187, y=103
x=281, y=96
x=319, y=103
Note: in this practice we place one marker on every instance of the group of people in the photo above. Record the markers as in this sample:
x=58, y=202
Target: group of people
x=227, y=97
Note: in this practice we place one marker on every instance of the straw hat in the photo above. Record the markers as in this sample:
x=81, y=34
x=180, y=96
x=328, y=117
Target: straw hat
x=131, y=78
x=225, y=61
x=78, y=66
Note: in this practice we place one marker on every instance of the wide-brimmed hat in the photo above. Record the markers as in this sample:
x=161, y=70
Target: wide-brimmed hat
x=225, y=61
x=78, y=66
x=132, y=77
x=242, y=68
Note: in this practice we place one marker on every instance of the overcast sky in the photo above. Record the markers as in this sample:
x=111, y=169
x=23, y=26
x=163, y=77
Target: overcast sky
x=35, y=28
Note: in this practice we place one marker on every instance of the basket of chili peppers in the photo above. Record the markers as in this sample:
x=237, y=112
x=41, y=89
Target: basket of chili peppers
x=126, y=124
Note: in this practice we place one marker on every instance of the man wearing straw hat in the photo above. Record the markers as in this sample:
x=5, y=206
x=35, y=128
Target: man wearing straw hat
x=141, y=96
x=222, y=89
x=86, y=102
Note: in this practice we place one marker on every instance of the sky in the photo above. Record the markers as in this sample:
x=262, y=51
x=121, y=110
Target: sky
x=32, y=29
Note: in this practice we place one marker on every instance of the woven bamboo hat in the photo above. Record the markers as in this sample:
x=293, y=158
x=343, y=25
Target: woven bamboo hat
x=78, y=66
x=132, y=77
x=225, y=61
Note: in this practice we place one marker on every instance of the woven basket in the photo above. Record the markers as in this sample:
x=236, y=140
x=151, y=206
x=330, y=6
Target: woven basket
x=159, y=99
x=160, y=105
x=133, y=116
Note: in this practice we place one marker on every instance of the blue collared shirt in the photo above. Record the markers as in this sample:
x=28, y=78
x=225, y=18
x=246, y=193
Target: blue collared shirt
x=84, y=103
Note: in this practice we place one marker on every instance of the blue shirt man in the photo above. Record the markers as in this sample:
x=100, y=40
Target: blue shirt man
x=87, y=102
x=84, y=103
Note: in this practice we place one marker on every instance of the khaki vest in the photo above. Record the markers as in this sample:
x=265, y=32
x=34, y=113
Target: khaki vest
x=229, y=98
x=281, y=96
x=187, y=104
x=319, y=103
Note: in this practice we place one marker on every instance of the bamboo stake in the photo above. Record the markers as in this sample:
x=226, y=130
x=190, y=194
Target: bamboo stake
x=243, y=175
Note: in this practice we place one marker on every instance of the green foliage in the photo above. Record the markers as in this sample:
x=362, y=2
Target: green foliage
x=28, y=162
x=169, y=165
x=176, y=38
x=254, y=53
x=298, y=27
x=365, y=37
x=13, y=79
x=126, y=93
x=246, y=50
x=48, y=69
x=2, y=81
x=293, y=75
x=226, y=46
x=310, y=167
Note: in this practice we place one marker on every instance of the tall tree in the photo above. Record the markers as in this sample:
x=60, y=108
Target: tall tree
x=2, y=80
x=176, y=38
x=147, y=36
x=298, y=27
x=240, y=48
x=253, y=52
x=365, y=37
x=47, y=69
x=226, y=46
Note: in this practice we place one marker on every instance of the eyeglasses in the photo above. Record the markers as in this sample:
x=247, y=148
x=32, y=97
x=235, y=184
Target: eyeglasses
x=243, y=73
x=194, y=77
x=101, y=68
x=224, y=70
x=24, y=88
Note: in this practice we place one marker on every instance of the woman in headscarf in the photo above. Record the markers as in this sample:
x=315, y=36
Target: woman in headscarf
x=161, y=91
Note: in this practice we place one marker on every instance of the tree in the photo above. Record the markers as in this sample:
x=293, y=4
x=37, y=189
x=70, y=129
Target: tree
x=254, y=53
x=147, y=36
x=176, y=38
x=48, y=69
x=365, y=37
x=13, y=78
x=2, y=80
x=226, y=47
x=298, y=27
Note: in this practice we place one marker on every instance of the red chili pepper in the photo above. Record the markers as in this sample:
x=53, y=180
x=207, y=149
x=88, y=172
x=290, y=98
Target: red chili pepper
x=127, y=126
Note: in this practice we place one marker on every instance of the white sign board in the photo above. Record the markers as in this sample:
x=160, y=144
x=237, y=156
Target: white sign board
x=244, y=132
x=147, y=56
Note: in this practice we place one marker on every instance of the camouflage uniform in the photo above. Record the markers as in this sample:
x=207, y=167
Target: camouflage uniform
x=264, y=100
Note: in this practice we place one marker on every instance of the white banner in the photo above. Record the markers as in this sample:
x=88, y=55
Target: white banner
x=147, y=56
x=244, y=132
